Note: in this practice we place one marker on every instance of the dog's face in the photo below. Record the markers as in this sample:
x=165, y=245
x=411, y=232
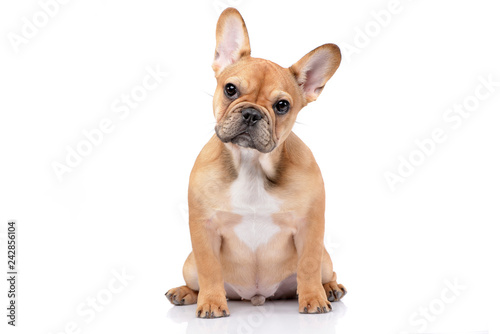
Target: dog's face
x=257, y=101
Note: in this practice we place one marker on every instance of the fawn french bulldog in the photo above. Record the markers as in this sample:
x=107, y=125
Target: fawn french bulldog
x=256, y=195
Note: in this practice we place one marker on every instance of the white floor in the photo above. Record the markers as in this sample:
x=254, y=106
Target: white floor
x=245, y=318
x=376, y=314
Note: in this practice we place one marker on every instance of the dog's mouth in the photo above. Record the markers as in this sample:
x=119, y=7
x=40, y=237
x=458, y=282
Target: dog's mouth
x=244, y=139
x=245, y=130
x=259, y=139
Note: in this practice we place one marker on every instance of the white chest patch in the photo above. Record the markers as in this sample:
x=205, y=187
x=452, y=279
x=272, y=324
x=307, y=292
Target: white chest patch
x=250, y=200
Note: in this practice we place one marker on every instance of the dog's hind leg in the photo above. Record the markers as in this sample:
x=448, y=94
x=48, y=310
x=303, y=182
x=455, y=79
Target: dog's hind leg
x=334, y=291
x=182, y=295
x=186, y=294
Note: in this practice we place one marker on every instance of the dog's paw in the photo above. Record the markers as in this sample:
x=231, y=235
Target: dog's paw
x=334, y=291
x=182, y=295
x=314, y=302
x=212, y=307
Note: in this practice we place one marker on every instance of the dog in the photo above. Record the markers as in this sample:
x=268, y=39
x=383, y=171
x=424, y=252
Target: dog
x=256, y=195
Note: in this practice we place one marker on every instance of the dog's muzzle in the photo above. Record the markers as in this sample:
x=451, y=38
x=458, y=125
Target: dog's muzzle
x=246, y=127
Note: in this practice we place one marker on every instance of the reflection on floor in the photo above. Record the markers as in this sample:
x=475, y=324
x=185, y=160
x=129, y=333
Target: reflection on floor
x=272, y=317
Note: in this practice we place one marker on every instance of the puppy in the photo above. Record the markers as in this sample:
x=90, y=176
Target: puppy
x=256, y=195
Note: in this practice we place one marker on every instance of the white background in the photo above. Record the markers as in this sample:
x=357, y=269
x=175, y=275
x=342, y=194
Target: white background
x=124, y=206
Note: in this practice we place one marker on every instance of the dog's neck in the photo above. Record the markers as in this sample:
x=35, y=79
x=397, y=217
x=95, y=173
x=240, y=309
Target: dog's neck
x=248, y=158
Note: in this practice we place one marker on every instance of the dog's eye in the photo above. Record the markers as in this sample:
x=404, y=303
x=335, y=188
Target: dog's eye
x=230, y=91
x=281, y=107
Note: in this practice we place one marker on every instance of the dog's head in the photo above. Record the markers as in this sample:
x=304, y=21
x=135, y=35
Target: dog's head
x=257, y=101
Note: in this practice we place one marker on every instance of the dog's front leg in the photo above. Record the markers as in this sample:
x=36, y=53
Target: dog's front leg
x=206, y=249
x=309, y=244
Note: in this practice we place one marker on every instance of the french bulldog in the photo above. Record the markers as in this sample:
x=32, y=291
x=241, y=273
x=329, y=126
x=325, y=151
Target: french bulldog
x=256, y=195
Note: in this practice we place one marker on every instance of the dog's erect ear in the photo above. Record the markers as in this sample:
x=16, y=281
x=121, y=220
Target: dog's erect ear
x=232, y=40
x=314, y=69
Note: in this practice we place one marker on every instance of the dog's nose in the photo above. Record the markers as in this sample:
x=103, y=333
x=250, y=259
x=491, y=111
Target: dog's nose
x=251, y=116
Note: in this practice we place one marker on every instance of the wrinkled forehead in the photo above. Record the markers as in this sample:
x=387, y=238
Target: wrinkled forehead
x=262, y=79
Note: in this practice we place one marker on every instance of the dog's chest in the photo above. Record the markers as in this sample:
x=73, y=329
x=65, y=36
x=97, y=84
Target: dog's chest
x=255, y=205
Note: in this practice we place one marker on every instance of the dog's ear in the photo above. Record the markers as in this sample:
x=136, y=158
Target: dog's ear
x=314, y=69
x=232, y=40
